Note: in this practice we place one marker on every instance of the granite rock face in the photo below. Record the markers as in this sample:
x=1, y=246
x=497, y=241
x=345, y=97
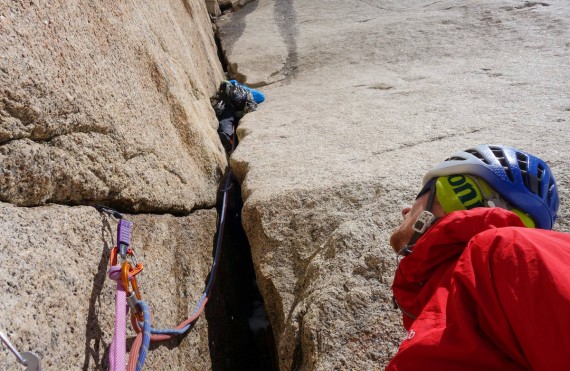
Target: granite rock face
x=109, y=102
x=105, y=102
x=362, y=99
x=58, y=302
x=325, y=274
x=255, y=55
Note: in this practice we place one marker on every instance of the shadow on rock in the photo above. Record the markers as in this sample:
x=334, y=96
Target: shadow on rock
x=286, y=19
x=93, y=332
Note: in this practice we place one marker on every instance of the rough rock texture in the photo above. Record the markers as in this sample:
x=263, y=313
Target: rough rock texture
x=364, y=97
x=105, y=102
x=109, y=101
x=213, y=8
x=324, y=272
x=261, y=54
x=58, y=303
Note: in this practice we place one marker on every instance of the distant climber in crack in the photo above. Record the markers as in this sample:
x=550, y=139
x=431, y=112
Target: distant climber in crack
x=231, y=103
x=483, y=282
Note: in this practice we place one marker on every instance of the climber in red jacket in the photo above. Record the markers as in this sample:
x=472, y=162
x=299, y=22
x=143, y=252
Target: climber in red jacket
x=484, y=284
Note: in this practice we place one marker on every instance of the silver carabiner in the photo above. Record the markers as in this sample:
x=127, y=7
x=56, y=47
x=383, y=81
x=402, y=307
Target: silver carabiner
x=28, y=359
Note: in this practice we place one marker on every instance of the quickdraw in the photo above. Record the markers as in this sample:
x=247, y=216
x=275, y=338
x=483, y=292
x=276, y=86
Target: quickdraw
x=124, y=268
x=121, y=271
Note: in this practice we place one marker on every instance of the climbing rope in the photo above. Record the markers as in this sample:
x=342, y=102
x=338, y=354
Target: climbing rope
x=123, y=272
x=167, y=334
x=118, y=344
x=143, y=345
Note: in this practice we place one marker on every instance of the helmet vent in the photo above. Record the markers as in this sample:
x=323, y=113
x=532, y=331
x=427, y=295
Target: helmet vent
x=551, y=187
x=539, y=172
x=455, y=158
x=522, y=159
x=500, y=156
x=478, y=155
x=539, y=175
x=530, y=183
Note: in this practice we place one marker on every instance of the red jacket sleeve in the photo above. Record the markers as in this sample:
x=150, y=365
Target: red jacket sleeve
x=519, y=282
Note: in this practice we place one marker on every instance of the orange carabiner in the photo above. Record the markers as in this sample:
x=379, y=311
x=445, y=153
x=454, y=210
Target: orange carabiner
x=113, y=257
x=136, y=269
x=113, y=260
x=126, y=271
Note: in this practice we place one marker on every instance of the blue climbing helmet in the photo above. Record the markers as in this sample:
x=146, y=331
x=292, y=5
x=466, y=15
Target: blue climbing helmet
x=523, y=180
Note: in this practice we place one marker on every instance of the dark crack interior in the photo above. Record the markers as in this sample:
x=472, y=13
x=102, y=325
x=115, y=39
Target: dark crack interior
x=240, y=335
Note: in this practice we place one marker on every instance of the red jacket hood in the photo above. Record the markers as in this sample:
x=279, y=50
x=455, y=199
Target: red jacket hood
x=419, y=274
